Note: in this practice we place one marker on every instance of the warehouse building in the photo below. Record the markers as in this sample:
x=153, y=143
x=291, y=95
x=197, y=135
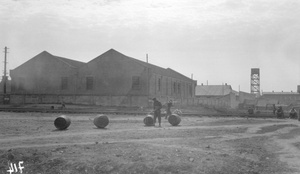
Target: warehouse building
x=111, y=79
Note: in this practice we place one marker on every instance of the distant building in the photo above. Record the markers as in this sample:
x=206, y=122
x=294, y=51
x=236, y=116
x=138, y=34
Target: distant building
x=213, y=90
x=111, y=79
x=216, y=96
x=223, y=96
x=288, y=99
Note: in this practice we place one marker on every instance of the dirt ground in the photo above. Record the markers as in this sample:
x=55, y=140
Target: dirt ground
x=209, y=145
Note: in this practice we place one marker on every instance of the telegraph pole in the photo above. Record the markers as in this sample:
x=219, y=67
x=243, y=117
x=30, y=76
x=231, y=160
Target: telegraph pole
x=5, y=77
x=148, y=81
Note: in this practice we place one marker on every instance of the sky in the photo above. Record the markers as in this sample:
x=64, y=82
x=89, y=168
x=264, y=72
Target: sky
x=215, y=41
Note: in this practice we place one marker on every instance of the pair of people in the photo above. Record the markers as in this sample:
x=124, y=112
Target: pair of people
x=157, y=110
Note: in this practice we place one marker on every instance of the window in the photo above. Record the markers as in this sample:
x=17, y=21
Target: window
x=136, y=83
x=64, y=83
x=167, y=86
x=178, y=88
x=89, y=83
x=174, y=88
x=159, y=84
x=187, y=89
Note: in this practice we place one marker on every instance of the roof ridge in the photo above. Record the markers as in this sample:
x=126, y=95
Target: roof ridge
x=145, y=64
x=164, y=71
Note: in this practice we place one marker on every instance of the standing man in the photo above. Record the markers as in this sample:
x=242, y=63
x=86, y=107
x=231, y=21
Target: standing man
x=157, y=106
x=279, y=112
x=169, y=105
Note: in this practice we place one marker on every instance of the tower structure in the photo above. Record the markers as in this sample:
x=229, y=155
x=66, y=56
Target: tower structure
x=255, y=81
x=5, y=73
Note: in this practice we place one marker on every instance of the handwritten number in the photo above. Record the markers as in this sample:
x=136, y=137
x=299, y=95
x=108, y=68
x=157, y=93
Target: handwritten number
x=16, y=168
x=20, y=166
x=13, y=167
x=10, y=168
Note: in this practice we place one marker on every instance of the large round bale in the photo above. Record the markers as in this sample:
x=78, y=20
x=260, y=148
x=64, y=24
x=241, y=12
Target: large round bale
x=62, y=122
x=148, y=120
x=101, y=121
x=174, y=119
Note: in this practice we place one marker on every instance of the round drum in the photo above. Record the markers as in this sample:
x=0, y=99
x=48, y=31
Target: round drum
x=101, y=121
x=174, y=119
x=148, y=121
x=62, y=122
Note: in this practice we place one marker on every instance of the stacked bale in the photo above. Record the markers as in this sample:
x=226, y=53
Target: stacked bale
x=148, y=120
x=62, y=122
x=101, y=121
x=174, y=119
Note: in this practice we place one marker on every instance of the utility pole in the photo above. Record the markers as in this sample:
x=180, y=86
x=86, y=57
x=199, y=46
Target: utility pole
x=5, y=76
x=148, y=82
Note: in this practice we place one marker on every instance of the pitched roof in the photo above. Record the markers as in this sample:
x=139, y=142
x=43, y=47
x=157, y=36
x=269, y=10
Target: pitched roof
x=167, y=72
x=45, y=54
x=212, y=90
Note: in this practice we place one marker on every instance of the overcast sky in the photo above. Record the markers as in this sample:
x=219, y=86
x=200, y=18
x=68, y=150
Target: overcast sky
x=218, y=41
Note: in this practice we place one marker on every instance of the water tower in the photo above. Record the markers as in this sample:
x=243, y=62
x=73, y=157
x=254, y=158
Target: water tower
x=255, y=81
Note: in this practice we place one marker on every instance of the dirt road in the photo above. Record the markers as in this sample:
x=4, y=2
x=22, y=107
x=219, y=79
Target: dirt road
x=198, y=145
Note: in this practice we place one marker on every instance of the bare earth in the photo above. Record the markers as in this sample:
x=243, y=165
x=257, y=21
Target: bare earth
x=207, y=145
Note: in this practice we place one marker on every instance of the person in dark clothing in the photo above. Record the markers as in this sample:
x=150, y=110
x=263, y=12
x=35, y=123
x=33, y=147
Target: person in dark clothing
x=169, y=105
x=279, y=112
x=293, y=113
x=250, y=110
x=157, y=110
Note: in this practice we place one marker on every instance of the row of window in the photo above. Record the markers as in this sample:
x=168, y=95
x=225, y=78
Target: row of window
x=176, y=87
x=64, y=83
x=136, y=84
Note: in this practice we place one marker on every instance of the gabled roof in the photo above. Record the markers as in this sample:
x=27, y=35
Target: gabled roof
x=45, y=54
x=113, y=53
x=213, y=90
x=167, y=72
